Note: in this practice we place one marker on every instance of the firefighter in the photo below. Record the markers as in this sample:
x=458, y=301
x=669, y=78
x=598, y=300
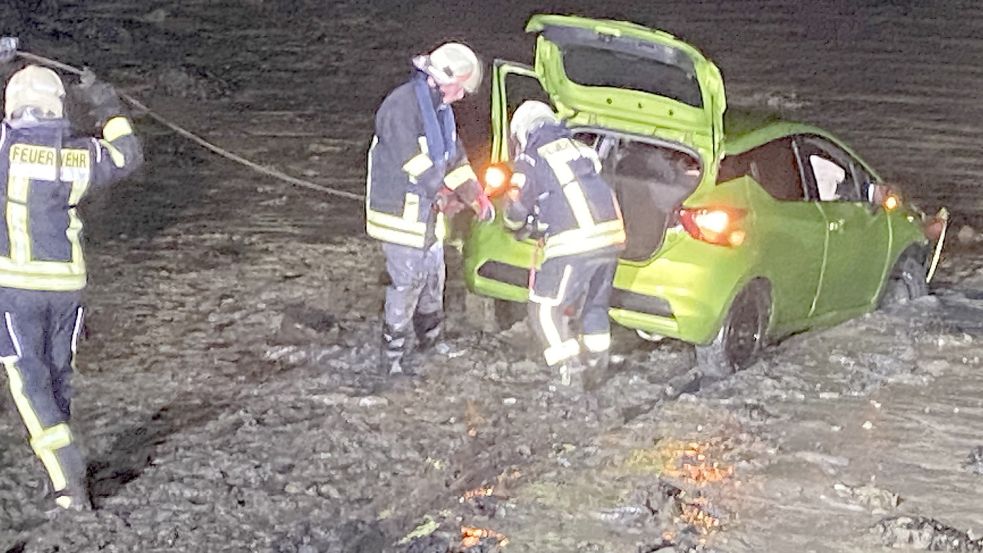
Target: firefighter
x=556, y=191
x=418, y=174
x=44, y=172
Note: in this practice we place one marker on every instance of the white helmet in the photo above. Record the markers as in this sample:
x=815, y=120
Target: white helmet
x=35, y=87
x=452, y=62
x=527, y=117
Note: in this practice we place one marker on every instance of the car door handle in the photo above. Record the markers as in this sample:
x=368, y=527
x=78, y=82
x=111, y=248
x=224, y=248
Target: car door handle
x=837, y=225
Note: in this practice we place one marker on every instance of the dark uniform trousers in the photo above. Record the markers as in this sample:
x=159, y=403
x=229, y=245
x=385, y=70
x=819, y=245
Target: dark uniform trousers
x=415, y=295
x=40, y=331
x=573, y=288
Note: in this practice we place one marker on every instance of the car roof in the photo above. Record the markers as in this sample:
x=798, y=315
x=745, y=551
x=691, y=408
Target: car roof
x=746, y=129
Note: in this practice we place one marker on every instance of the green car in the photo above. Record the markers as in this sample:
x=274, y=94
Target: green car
x=740, y=228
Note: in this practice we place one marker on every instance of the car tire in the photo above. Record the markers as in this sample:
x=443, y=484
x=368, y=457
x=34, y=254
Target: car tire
x=741, y=337
x=907, y=282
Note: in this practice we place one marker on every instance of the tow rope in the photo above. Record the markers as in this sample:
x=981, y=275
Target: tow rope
x=268, y=171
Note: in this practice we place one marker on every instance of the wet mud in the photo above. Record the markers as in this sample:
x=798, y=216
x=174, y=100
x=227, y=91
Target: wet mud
x=228, y=398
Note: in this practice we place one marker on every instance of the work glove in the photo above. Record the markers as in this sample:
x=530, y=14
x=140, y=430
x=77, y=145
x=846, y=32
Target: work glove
x=8, y=49
x=101, y=99
x=531, y=229
x=484, y=208
x=448, y=203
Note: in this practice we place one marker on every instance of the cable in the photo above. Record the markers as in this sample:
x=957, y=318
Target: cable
x=199, y=140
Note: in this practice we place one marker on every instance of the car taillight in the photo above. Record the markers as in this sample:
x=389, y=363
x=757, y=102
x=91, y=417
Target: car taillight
x=716, y=225
x=496, y=179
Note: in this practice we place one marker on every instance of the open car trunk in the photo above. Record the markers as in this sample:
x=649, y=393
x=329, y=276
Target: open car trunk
x=650, y=178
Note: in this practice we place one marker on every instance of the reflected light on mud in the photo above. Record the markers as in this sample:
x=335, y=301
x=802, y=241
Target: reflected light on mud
x=696, y=513
x=484, y=491
x=471, y=536
x=691, y=462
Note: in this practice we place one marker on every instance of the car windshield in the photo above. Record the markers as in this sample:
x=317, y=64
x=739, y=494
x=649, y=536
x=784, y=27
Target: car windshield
x=590, y=66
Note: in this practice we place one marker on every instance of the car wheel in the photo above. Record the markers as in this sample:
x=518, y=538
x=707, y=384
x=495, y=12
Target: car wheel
x=740, y=337
x=907, y=282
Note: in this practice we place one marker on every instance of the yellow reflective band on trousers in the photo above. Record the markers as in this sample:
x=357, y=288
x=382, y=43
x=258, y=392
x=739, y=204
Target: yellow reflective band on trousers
x=459, y=176
x=578, y=241
x=44, y=441
x=597, y=343
x=558, y=350
x=115, y=128
x=79, y=314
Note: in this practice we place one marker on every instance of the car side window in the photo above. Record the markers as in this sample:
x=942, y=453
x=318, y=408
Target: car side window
x=832, y=171
x=830, y=177
x=772, y=166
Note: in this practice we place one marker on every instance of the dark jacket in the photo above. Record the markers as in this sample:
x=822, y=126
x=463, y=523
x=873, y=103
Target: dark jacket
x=415, y=153
x=560, y=185
x=44, y=173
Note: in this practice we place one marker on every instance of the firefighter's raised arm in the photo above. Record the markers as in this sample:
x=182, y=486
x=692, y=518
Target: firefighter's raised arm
x=116, y=151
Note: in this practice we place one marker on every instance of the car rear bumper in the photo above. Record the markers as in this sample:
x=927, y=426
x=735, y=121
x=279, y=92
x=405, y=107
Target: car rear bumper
x=677, y=294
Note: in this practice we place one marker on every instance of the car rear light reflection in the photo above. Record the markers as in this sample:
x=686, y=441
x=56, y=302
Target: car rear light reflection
x=496, y=179
x=715, y=225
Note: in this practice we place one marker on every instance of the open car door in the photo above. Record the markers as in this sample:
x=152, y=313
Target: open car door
x=512, y=84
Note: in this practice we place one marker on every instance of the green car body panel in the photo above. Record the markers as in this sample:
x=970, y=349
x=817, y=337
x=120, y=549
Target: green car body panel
x=823, y=262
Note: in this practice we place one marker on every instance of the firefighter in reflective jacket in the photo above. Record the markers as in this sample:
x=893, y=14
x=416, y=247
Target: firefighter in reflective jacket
x=418, y=173
x=44, y=172
x=556, y=189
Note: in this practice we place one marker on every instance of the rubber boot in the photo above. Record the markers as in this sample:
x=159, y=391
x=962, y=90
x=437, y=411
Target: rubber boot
x=75, y=496
x=429, y=328
x=392, y=352
x=596, y=371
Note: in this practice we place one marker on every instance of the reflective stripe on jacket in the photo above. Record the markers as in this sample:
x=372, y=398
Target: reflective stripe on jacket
x=415, y=152
x=559, y=176
x=44, y=173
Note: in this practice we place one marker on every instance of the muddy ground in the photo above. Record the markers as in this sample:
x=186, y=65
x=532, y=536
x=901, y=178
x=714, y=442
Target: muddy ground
x=227, y=398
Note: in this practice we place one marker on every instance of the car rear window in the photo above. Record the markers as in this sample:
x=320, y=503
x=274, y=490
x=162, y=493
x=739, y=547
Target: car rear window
x=591, y=66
